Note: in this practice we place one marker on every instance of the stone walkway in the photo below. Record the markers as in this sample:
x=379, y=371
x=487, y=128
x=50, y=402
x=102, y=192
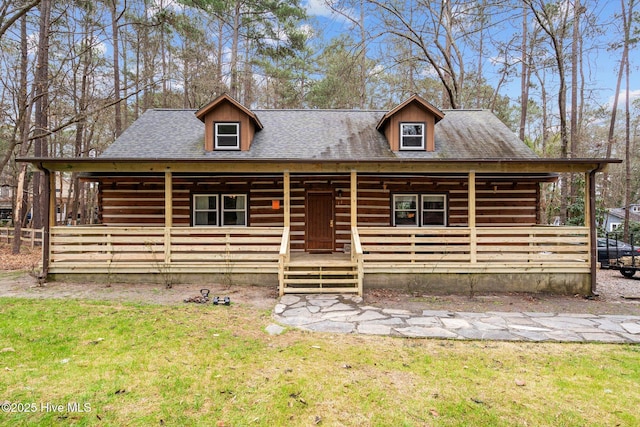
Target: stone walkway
x=347, y=314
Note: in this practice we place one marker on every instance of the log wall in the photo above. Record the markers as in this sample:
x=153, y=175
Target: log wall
x=139, y=201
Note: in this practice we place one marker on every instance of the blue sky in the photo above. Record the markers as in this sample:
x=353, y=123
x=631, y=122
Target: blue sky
x=600, y=63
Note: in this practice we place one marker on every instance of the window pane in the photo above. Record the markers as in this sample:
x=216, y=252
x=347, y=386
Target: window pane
x=406, y=218
x=413, y=129
x=206, y=218
x=234, y=202
x=406, y=202
x=433, y=202
x=412, y=141
x=433, y=218
x=230, y=129
x=227, y=141
x=201, y=202
x=234, y=218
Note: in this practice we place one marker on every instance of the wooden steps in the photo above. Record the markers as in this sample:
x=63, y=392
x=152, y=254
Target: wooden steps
x=321, y=275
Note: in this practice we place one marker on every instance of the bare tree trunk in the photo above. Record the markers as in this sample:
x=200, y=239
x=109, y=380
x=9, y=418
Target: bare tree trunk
x=614, y=112
x=574, y=129
x=235, y=41
x=23, y=122
x=627, y=20
x=116, y=65
x=41, y=118
x=524, y=79
x=363, y=59
x=555, y=27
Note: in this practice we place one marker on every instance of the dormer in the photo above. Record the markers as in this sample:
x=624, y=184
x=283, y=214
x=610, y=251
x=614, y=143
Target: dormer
x=229, y=125
x=411, y=125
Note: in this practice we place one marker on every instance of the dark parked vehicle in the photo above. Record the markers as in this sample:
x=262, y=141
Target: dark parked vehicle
x=617, y=255
x=616, y=249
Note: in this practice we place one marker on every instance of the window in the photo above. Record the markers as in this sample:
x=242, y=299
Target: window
x=405, y=209
x=231, y=212
x=205, y=209
x=431, y=211
x=412, y=136
x=227, y=136
x=234, y=209
x=434, y=209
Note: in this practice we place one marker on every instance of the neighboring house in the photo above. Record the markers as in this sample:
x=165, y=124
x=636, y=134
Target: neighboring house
x=326, y=201
x=614, y=218
x=6, y=203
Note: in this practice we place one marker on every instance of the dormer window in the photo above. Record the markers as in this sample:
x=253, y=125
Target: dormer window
x=412, y=136
x=227, y=136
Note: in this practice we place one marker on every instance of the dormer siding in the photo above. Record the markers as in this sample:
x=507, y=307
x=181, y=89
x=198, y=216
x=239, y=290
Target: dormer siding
x=227, y=113
x=411, y=113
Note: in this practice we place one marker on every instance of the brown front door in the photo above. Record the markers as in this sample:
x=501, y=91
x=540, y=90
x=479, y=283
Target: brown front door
x=319, y=222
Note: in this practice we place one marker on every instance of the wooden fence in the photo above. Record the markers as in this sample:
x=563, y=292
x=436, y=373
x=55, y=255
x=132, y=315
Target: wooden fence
x=30, y=236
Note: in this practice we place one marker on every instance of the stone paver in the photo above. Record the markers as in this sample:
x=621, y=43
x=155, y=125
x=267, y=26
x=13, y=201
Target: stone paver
x=348, y=314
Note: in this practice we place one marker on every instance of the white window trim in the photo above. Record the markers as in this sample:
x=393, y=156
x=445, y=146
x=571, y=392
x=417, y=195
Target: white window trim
x=223, y=210
x=237, y=135
x=220, y=210
x=420, y=209
x=393, y=213
x=421, y=147
x=443, y=210
x=196, y=210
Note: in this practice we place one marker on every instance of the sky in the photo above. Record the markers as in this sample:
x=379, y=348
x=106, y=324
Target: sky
x=600, y=63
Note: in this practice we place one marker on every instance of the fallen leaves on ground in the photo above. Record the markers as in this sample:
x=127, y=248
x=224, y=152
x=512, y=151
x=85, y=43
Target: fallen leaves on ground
x=27, y=259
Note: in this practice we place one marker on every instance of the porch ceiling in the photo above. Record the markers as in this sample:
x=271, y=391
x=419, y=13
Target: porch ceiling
x=536, y=165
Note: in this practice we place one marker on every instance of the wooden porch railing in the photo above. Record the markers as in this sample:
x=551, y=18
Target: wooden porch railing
x=489, y=249
x=283, y=258
x=390, y=250
x=165, y=250
x=357, y=257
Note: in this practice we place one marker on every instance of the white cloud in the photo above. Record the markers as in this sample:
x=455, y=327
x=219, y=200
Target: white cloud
x=325, y=9
x=319, y=8
x=633, y=95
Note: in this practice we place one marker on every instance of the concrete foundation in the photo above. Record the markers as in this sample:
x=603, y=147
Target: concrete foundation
x=428, y=283
x=478, y=283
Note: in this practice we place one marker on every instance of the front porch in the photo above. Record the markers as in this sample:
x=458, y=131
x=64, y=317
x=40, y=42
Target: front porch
x=488, y=242
x=557, y=259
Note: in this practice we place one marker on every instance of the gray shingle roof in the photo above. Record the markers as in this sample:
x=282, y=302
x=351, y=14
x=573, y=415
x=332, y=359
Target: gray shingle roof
x=318, y=135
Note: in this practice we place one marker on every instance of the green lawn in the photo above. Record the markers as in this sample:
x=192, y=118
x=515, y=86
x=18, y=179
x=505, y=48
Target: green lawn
x=141, y=365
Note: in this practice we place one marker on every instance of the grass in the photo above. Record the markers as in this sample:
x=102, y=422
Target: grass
x=139, y=365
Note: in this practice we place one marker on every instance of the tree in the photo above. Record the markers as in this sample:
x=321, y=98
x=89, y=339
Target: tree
x=11, y=11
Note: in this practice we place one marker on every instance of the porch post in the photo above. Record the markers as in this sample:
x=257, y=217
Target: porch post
x=49, y=220
x=472, y=217
x=52, y=199
x=354, y=198
x=168, y=214
x=287, y=198
x=168, y=199
x=590, y=223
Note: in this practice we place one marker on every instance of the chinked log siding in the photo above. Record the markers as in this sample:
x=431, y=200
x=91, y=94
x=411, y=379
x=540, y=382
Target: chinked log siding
x=139, y=201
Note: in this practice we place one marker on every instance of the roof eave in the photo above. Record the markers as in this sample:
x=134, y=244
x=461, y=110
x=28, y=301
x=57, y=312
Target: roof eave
x=536, y=165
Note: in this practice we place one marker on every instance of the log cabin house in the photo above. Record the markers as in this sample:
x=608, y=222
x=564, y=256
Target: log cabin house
x=325, y=201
